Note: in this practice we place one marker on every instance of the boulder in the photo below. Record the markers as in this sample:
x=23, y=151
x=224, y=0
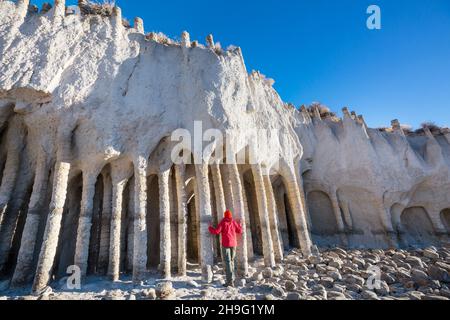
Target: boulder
x=268, y=297
x=294, y=296
x=290, y=285
x=353, y=279
x=149, y=294
x=430, y=253
x=382, y=288
x=389, y=279
x=335, y=275
x=327, y=282
x=165, y=291
x=314, y=260
x=420, y=277
x=369, y=295
x=267, y=273
x=257, y=276
x=415, y=262
x=278, y=292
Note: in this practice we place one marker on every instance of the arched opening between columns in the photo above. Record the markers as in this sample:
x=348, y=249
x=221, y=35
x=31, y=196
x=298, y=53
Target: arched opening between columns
x=417, y=226
x=42, y=224
x=286, y=223
x=324, y=228
x=65, y=253
x=193, y=223
x=94, y=243
x=252, y=203
x=153, y=222
x=20, y=212
x=445, y=217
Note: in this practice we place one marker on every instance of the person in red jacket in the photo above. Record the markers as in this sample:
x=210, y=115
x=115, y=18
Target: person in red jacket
x=228, y=228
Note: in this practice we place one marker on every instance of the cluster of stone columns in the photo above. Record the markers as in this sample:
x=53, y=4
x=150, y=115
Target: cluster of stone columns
x=218, y=184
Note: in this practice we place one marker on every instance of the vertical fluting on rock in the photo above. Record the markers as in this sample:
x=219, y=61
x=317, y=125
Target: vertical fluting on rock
x=273, y=219
x=196, y=222
x=180, y=172
x=337, y=211
x=282, y=218
x=15, y=142
x=263, y=213
x=298, y=209
x=435, y=218
x=164, y=220
x=338, y=216
x=140, y=220
x=85, y=222
x=105, y=222
x=239, y=213
x=51, y=234
x=347, y=215
x=226, y=187
x=215, y=220
x=219, y=195
x=206, y=247
x=130, y=227
x=173, y=221
x=29, y=236
x=15, y=209
x=386, y=222
x=94, y=239
x=119, y=182
x=248, y=229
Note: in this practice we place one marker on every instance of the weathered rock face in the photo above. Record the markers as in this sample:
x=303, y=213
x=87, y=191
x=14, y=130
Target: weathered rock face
x=88, y=108
x=374, y=187
x=87, y=111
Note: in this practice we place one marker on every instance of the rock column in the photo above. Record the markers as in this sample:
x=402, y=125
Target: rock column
x=298, y=211
x=140, y=223
x=53, y=227
x=85, y=222
x=180, y=171
x=267, y=244
x=239, y=213
x=164, y=208
x=273, y=218
x=206, y=247
x=105, y=222
x=30, y=231
x=118, y=186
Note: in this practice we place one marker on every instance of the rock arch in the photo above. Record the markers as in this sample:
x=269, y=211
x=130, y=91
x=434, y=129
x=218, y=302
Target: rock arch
x=324, y=227
x=417, y=226
x=153, y=222
x=445, y=217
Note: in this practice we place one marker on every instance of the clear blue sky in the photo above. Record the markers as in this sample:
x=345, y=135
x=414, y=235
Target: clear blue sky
x=321, y=50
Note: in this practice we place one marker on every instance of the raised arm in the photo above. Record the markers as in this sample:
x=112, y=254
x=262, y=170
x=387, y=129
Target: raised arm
x=215, y=231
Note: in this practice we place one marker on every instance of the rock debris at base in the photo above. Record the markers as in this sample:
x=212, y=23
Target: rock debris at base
x=336, y=274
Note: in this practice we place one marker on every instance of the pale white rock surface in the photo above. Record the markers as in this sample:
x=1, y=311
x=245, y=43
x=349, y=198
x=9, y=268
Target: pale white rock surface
x=87, y=109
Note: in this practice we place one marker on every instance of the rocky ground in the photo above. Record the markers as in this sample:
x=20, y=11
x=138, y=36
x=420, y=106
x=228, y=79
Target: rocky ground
x=336, y=274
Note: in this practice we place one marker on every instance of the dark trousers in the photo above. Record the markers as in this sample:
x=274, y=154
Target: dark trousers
x=229, y=254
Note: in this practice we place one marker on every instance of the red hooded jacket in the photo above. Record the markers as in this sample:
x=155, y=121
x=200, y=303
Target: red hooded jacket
x=228, y=228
